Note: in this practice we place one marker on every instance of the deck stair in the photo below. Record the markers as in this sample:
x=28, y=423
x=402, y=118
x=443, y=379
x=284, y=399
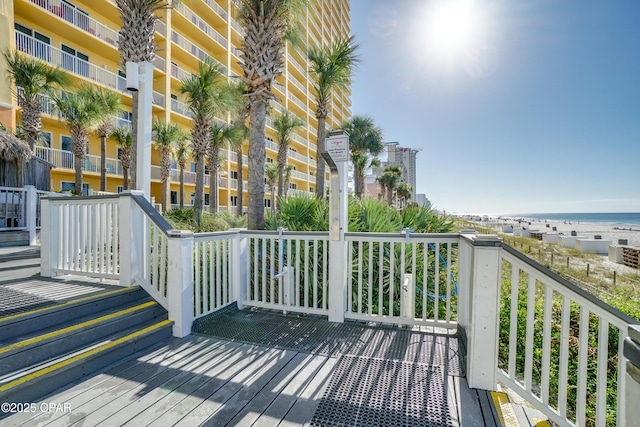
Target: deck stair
x=48, y=348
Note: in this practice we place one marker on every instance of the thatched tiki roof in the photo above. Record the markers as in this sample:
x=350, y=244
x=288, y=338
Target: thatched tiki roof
x=12, y=147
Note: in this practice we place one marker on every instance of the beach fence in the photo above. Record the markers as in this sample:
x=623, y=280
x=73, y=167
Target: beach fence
x=561, y=349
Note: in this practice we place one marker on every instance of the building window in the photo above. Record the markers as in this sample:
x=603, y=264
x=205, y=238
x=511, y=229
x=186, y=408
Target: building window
x=293, y=186
x=120, y=189
x=233, y=200
x=206, y=199
x=46, y=138
x=71, y=186
x=75, y=61
x=193, y=167
x=65, y=143
x=267, y=203
x=269, y=160
x=234, y=175
x=174, y=197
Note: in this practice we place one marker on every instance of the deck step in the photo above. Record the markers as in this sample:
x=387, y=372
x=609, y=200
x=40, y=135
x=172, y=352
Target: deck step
x=49, y=348
x=31, y=350
x=509, y=414
x=27, y=322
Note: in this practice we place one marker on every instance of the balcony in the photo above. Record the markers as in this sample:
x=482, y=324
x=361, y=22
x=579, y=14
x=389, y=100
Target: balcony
x=77, y=66
x=80, y=19
x=198, y=22
x=63, y=159
x=194, y=50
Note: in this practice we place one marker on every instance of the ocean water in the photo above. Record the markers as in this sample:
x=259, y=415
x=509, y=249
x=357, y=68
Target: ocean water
x=621, y=219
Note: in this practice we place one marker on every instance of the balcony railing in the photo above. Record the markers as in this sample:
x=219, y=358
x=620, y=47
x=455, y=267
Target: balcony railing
x=66, y=160
x=180, y=108
x=187, y=45
x=80, y=19
x=217, y=8
x=57, y=57
x=198, y=22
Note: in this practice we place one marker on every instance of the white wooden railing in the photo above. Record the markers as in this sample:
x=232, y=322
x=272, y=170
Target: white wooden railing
x=554, y=344
x=560, y=346
x=402, y=279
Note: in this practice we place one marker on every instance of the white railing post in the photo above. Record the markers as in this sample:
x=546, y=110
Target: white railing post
x=48, y=237
x=180, y=281
x=338, y=244
x=131, y=237
x=632, y=381
x=31, y=207
x=238, y=259
x=479, y=306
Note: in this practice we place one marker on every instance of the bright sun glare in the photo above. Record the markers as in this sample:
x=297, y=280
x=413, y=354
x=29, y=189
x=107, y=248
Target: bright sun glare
x=452, y=26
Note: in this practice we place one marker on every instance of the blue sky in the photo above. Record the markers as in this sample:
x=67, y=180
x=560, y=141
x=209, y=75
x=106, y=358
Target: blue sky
x=519, y=106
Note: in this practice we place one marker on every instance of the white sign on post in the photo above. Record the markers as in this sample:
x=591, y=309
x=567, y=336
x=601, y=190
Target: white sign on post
x=338, y=147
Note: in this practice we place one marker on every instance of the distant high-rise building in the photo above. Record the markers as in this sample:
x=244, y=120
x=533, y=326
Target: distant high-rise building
x=405, y=157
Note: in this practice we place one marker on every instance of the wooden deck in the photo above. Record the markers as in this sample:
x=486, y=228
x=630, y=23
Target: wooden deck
x=23, y=289
x=278, y=376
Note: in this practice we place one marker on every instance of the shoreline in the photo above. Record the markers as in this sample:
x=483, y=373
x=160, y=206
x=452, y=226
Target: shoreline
x=588, y=230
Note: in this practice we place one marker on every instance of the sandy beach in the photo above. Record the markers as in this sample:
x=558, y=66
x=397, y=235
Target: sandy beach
x=589, y=230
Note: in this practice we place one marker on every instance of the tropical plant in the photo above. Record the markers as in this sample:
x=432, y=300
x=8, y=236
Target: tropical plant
x=109, y=105
x=122, y=136
x=285, y=124
x=81, y=113
x=207, y=93
x=288, y=170
x=389, y=180
x=182, y=155
x=221, y=135
x=404, y=193
x=166, y=135
x=136, y=43
x=271, y=171
x=265, y=24
x=365, y=140
x=332, y=67
x=33, y=80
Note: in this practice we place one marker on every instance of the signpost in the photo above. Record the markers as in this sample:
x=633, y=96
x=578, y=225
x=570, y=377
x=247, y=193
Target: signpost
x=336, y=156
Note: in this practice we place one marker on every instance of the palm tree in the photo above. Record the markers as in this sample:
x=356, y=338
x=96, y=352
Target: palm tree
x=136, y=44
x=81, y=113
x=365, y=139
x=332, y=68
x=238, y=144
x=271, y=171
x=288, y=170
x=166, y=134
x=182, y=155
x=389, y=180
x=265, y=24
x=404, y=193
x=110, y=105
x=207, y=93
x=32, y=79
x=221, y=135
x=285, y=124
x=122, y=136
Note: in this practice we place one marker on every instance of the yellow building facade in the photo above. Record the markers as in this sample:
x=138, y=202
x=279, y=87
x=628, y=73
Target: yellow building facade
x=81, y=36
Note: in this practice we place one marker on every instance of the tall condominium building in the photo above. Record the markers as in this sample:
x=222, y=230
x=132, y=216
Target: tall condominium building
x=81, y=36
x=396, y=155
x=406, y=157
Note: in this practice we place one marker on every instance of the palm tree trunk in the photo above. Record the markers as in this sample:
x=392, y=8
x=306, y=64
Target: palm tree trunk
x=356, y=180
x=320, y=165
x=198, y=201
x=240, y=161
x=181, y=187
x=125, y=178
x=213, y=186
x=103, y=163
x=360, y=183
x=280, y=180
x=273, y=198
x=257, y=155
x=78, y=167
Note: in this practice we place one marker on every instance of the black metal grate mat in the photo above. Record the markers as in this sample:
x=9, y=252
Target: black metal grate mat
x=319, y=336
x=371, y=392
